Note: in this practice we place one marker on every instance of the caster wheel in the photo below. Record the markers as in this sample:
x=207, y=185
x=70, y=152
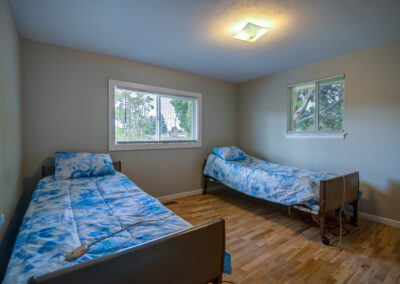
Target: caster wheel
x=325, y=241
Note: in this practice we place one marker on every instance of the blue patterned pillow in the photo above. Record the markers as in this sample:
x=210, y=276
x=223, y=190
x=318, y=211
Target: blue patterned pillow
x=230, y=153
x=78, y=165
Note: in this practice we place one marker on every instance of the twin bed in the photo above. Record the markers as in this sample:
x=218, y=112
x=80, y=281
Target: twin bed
x=93, y=224
x=314, y=192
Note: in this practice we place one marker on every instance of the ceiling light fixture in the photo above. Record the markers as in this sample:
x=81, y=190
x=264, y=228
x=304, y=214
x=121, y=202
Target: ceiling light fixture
x=251, y=32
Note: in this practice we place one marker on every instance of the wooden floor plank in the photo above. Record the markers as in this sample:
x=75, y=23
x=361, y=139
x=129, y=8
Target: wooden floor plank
x=269, y=246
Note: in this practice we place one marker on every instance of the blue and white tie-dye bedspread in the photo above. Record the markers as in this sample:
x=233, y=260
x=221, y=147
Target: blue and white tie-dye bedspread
x=66, y=214
x=268, y=181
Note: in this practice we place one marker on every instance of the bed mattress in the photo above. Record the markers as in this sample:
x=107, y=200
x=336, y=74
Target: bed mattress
x=66, y=214
x=268, y=181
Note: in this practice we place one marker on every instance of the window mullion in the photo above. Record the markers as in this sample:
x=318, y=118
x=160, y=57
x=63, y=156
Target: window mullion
x=291, y=109
x=317, y=106
x=194, y=119
x=158, y=105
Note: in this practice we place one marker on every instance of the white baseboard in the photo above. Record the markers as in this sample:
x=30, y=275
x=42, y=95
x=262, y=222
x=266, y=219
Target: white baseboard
x=166, y=198
x=379, y=219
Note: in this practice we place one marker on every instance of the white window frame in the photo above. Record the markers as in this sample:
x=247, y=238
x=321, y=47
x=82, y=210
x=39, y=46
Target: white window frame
x=340, y=134
x=152, y=144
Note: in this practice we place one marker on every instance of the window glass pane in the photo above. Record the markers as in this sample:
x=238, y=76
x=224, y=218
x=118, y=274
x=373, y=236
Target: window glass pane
x=303, y=108
x=146, y=117
x=176, y=121
x=331, y=96
x=135, y=116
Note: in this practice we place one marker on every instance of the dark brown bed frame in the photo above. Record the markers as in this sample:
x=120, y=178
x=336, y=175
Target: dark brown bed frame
x=331, y=193
x=193, y=256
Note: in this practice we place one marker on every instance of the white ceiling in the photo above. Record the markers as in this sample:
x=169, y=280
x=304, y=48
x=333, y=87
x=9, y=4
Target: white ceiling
x=195, y=35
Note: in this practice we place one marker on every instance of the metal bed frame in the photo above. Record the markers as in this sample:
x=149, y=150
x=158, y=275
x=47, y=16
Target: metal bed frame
x=331, y=196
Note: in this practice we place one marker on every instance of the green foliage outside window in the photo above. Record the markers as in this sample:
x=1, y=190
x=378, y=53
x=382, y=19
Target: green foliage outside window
x=331, y=106
x=184, y=112
x=318, y=106
x=132, y=116
x=136, y=117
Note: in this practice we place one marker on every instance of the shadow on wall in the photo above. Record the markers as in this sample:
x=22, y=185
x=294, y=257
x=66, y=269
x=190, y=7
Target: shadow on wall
x=30, y=182
x=255, y=153
x=373, y=198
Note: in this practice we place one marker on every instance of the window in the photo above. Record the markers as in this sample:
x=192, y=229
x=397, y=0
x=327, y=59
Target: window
x=149, y=117
x=317, y=108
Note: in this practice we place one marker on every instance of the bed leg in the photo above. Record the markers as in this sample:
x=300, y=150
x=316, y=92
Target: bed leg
x=354, y=218
x=205, y=183
x=324, y=239
x=217, y=280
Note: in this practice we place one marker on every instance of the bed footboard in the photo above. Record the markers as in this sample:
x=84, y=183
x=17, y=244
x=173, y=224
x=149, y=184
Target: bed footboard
x=192, y=256
x=335, y=191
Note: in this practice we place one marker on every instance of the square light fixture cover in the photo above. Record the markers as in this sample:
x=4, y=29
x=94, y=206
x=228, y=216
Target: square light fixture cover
x=251, y=32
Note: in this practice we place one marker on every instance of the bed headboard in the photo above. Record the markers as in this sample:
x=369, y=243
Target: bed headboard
x=49, y=170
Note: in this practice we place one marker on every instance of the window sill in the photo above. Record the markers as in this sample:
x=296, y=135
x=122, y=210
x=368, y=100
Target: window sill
x=154, y=146
x=316, y=135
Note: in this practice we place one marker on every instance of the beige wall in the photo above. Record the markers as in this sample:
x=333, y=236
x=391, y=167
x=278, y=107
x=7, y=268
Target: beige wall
x=65, y=108
x=372, y=120
x=10, y=112
x=65, y=95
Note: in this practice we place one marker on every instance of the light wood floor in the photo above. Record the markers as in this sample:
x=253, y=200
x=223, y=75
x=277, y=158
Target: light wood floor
x=269, y=246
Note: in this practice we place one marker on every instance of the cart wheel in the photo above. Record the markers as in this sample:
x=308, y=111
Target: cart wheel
x=325, y=241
